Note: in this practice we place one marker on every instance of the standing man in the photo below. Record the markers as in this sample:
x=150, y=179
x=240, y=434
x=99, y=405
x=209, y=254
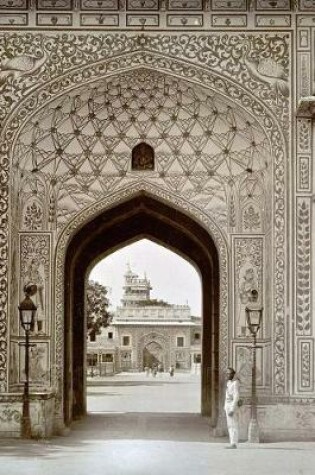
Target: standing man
x=232, y=396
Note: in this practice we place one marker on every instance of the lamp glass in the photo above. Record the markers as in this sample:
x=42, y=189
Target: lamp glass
x=253, y=320
x=27, y=310
x=254, y=317
x=26, y=318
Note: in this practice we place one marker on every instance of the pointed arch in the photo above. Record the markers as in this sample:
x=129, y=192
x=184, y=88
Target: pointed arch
x=134, y=215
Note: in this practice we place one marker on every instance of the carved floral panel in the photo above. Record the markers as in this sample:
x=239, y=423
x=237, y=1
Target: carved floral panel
x=248, y=276
x=305, y=365
x=35, y=268
x=303, y=267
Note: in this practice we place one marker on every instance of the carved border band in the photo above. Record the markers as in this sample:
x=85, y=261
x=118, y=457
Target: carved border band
x=304, y=174
x=303, y=267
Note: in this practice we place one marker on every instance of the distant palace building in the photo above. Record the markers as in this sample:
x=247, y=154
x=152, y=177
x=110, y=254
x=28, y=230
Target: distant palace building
x=146, y=332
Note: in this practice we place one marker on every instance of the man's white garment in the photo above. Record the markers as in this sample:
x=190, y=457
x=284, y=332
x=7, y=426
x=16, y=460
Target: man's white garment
x=232, y=396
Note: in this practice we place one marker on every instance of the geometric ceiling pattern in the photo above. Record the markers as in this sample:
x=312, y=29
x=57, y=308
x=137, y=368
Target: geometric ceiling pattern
x=78, y=148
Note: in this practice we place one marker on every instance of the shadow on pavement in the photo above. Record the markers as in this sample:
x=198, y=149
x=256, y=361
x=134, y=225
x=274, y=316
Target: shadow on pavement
x=100, y=427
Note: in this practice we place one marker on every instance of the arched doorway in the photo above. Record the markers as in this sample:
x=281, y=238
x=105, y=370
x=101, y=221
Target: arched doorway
x=153, y=355
x=141, y=216
x=153, y=351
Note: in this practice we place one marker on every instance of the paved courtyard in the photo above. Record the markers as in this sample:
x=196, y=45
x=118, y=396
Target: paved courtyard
x=121, y=437
x=136, y=392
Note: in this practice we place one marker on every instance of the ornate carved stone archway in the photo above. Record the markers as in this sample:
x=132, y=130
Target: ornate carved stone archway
x=140, y=211
x=203, y=69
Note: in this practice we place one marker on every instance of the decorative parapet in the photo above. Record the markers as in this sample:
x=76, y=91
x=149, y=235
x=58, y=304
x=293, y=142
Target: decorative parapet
x=306, y=107
x=154, y=14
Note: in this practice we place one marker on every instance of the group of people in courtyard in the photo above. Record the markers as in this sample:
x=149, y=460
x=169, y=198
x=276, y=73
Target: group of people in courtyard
x=158, y=368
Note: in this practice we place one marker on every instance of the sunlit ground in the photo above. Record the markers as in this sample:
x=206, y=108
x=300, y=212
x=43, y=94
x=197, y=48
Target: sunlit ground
x=136, y=392
x=135, y=442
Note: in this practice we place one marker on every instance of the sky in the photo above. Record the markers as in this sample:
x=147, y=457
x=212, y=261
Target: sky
x=172, y=278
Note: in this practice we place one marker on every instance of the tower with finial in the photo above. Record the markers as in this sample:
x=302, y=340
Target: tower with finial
x=136, y=290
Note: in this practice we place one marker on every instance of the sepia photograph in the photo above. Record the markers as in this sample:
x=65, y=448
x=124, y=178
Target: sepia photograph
x=157, y=220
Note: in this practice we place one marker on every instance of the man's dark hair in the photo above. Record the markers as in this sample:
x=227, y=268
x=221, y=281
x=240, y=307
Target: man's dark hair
x=232, y=370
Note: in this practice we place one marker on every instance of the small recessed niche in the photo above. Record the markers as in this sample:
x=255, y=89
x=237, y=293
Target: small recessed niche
x=142, y=158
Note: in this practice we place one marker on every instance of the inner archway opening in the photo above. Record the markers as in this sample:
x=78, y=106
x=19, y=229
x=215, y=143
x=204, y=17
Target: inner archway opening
x=142, y=216
x=144, y=325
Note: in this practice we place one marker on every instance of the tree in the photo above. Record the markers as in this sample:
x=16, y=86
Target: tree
x=98, y=315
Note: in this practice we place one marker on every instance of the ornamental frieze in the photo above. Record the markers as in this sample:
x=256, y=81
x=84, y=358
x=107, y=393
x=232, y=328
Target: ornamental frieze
x=258, y=62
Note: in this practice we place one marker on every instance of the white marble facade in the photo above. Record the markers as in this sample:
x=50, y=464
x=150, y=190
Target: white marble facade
x=224, y=94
